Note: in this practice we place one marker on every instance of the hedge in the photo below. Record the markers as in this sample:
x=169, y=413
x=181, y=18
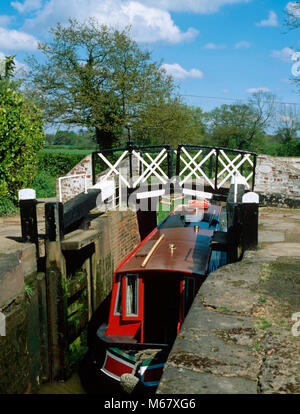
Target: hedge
x=57, y=164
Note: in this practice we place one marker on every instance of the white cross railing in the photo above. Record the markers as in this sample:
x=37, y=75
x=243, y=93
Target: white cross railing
x=194, y=165
x=212, y=167
x=113, y=167
x=197, y=166
x=151, y=167
x=234, y=167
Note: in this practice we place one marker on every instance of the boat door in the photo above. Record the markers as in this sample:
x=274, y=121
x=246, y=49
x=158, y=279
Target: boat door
x=161, y=306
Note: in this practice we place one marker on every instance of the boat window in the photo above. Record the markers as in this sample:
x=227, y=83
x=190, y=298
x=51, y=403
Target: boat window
x=118, y=307
x=132, y=295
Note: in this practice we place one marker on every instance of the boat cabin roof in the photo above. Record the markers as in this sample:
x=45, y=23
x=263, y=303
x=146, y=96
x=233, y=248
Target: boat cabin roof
x=181, y=243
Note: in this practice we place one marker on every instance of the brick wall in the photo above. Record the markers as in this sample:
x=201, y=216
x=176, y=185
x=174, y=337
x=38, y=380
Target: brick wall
x=119, y=235
x=277, y=180
x=19, y=362
x=69, y=187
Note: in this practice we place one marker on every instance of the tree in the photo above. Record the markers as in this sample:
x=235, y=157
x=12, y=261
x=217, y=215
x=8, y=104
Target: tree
x=170, y=122
x=21, y=137
x=242, y=126
x=288, y=123
x=96, y=76
x=7, y=69
x=21, y=134
x=286, y=134
x=231, y=126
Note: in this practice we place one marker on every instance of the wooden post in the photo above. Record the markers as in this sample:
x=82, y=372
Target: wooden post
x=42, y=301
x=56, y=293
x=249, y=219
x=233, y=232
x=27, y=200
x=89, y=274
x=96, y=275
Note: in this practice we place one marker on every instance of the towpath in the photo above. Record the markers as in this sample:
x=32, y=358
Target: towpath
x=241, y=335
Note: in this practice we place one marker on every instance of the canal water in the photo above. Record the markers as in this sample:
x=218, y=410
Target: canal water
x=71, y=386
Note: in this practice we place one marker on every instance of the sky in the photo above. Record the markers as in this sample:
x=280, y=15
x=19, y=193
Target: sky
x=218, y=51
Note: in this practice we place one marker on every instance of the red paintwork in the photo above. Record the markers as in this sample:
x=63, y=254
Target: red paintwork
x=116, y=367
x=123, y=325
x=181, y=317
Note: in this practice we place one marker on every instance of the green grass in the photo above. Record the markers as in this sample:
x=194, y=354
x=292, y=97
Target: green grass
x=263, y=324
x=44, y=185
x=7, y=207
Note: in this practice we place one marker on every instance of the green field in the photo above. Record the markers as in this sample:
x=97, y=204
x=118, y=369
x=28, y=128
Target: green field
x=82, y=152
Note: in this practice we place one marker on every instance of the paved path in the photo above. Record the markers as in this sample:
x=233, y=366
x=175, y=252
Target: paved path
x=11, y=234
x=279, y=232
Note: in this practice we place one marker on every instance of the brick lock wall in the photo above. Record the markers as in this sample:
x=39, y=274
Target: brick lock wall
x=75, y=185
x=125, y=234
x=277, y=179
x=14, y=355
x=20, y=364
x=119, y=235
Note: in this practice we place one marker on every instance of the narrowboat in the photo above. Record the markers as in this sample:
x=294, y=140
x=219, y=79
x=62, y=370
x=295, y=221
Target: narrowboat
x=153, y=289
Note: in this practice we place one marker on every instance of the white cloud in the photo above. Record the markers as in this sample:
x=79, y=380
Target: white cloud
x=26, y=6
x=16, y=40
x=270, y=21
x=196, y=6
x=255, y=90
x=152, y=24
x=149, y=24
x=242, y=45
x=284, y=54
x=213, y=46
x=179, y=72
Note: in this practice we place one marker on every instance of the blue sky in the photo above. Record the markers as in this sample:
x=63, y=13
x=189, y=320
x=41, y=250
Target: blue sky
x=213, y=48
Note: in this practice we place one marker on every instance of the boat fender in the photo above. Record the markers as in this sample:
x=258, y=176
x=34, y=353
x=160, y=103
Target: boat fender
x=128, y=383
x=198, y=204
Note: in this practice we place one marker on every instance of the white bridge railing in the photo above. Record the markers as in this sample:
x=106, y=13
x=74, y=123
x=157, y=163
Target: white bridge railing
x=135, y=166
x=219, y=158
